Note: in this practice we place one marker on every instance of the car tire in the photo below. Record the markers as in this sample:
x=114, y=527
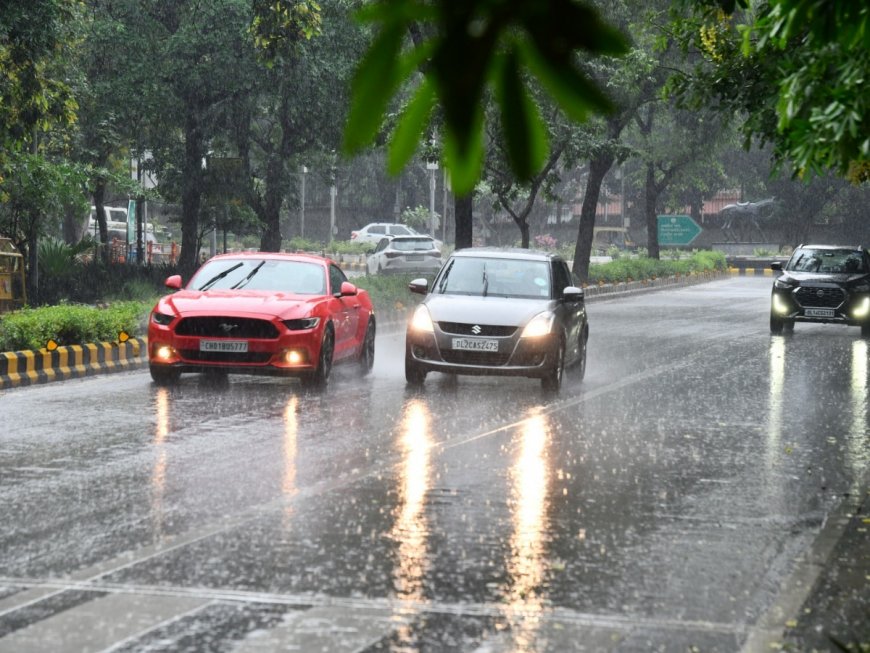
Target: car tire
x=776, y=324
x=320, y=377
x=164, y=376
x=578, y=371
x=367, y=354
x=552, y=381
x=414, y=374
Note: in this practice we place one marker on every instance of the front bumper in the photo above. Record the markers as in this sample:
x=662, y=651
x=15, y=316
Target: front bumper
x=853, y=310
x=516, y=356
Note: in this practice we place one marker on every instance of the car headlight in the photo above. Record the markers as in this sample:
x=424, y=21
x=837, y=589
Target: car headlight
x=422, y=321
x=163, y=319
x=302, y=323
x=540, y=325
x=783, y=285
x=862, y=310
x=779, y=306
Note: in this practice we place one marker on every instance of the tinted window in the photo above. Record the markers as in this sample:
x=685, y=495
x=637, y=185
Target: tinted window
x=413, y=244
x=832, y=261
x=336, y=278
x=378, y=229
x=561, y=277
x=399, y=230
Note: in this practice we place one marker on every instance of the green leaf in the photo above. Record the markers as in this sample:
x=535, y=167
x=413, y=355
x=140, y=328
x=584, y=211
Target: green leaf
x=464, y=164
x=374, y=83
x=525, y=134
x=575, y=94
x=406, y=136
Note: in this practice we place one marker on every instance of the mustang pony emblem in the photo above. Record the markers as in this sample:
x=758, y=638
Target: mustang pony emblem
x=226, y=328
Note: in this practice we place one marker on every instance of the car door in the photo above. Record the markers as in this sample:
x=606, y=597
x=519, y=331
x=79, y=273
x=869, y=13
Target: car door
x=375, y=261
x=572, y=314
x=345, y=314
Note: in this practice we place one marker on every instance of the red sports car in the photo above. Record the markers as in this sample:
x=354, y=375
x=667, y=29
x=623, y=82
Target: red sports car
x=262, y=313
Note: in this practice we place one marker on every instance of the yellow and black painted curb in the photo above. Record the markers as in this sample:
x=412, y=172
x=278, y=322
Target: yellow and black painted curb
x=20, y=368
x=751, y=272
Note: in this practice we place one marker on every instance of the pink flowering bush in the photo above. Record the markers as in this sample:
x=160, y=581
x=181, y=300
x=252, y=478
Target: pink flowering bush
x=545, y=241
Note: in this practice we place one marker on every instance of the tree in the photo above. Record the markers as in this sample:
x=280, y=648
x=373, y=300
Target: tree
x=796, y=69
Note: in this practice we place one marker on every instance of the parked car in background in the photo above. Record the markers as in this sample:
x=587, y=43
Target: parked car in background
x=822, y=283
x=405, y=255
x=375, y=231
x=492, y=311
x=262, y=313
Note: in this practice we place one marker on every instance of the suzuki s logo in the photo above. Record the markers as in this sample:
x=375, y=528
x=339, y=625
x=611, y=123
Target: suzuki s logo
x=476, y=329
x=226, y=328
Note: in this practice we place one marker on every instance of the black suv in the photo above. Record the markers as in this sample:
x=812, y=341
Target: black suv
x=822, y=283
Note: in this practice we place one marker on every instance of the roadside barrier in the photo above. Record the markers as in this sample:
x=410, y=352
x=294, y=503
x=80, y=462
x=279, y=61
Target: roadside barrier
x=33, y=367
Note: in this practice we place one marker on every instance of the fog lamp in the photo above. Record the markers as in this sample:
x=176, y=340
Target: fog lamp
x=164, y=352
x=862, y=310
x=294, y=357
x=779, y=305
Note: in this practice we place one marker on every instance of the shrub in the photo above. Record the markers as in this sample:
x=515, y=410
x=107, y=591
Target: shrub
x=71, y=324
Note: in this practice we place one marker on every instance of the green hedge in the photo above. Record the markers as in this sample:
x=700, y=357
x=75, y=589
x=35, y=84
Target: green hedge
x=637, y=269
x=71, y=324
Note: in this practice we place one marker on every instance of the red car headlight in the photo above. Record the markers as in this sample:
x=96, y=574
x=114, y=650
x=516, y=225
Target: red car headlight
x=163, y=319
x=302, y=324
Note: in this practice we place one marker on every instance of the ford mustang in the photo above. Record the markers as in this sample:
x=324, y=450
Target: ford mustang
x=262, y=313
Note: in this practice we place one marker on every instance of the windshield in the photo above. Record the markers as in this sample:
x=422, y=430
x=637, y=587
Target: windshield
x=412, y=244
x=834, y=261
x=493, y=277
x=261, y=274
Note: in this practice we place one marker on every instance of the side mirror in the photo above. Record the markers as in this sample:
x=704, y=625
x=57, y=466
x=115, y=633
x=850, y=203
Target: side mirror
x=776, y=265
x=573, y=294
x=173, y=282
x=419, y=286
x=347, y=289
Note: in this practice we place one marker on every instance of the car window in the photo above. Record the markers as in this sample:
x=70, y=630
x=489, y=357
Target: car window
x=382, y=245
x=561, y=278
x=377, y=229
x=336, y=278
x=260, y=274
x=831, y=261
x=399, y=230
x=493, y=277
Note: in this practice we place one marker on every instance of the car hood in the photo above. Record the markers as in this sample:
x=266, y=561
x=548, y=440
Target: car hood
x=808, y=278
x=237, y=302
x=505, y=311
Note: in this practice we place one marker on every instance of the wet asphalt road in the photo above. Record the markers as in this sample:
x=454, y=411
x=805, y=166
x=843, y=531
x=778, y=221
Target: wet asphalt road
x=661, y=504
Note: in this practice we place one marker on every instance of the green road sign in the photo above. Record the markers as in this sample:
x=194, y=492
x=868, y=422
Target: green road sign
x=677, y=230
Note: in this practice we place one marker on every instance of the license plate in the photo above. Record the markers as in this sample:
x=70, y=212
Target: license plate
x=475, y=344
x=233, y=346
x=819, y=312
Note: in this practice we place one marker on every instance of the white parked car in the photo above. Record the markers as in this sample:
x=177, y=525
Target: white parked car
x=405, y=255
x=375, y=231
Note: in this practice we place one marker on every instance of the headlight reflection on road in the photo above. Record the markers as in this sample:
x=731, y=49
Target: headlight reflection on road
x=158, y=474
x=774, y=448
x=291, y=432
x=526, y=566
x=857, y=451
x=411, y=529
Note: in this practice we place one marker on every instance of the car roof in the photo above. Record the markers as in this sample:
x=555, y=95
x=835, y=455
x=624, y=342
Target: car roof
x=857, y=248
x=409, y=237
x=506, y=253
x=275, y=256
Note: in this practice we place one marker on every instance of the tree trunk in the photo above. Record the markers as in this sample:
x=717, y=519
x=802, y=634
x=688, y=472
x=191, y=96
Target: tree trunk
x=191, y=193
x=463, y=208
x=598, y=168
x=649, y=210
x=32, y=279
x=100, y=217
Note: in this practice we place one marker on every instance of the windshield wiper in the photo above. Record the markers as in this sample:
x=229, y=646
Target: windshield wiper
x=244, y=281
x=208, y=284
x=485, y=280
x=443, y=282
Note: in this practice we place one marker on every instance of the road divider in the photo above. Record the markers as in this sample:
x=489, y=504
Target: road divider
x=33, y=367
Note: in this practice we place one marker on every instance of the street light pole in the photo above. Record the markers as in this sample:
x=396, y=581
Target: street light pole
x=432, y=166
x=302, y=205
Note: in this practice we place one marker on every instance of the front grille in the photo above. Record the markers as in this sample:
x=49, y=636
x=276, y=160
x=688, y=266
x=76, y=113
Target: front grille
x=226, y=327
x=250, y=357
x=820, y=297
x=490, y=359
x=462, y=329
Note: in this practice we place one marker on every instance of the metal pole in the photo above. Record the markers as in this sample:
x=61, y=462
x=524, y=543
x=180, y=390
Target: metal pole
x=432, y=201
x=444, y=210
x=332, y=193
x=302, y=206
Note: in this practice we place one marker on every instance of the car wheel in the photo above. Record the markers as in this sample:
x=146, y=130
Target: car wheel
x=367, y=355
x=552, y=381
x=414, y=374
x=320, y=376
x=164, y=376
x=776, y=324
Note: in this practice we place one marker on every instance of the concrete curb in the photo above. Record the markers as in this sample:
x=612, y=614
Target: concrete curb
x=21, y=368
